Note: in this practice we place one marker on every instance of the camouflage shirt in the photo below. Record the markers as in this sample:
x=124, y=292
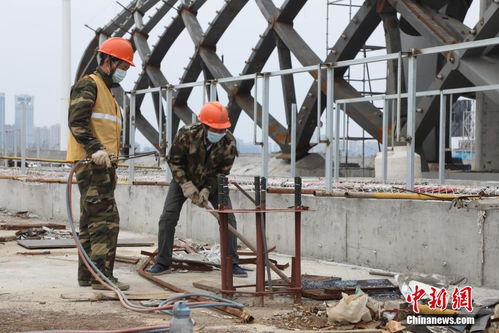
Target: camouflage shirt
x=192, y=158
x=82, y=100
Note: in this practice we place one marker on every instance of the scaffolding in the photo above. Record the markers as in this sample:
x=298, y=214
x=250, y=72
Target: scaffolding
x=365, y=80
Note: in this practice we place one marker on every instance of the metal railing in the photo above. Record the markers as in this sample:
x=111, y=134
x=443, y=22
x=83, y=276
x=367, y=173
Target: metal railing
x=332, y=132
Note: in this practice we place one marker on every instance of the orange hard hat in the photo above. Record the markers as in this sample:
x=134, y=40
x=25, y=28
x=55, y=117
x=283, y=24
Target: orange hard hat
x=119, y=48
x=214, y=115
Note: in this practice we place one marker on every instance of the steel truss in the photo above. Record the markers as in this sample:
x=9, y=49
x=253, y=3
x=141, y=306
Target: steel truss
x=438, y=23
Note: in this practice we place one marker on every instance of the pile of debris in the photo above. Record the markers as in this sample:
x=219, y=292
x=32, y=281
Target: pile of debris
x=352, y=312
x=20, y=214
x=191, y=256
x=30, y=231
x=426, y=304
x=43, y=232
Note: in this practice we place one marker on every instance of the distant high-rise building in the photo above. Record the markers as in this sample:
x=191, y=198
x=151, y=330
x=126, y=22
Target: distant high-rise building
x=48, y=138
x=26, y=102
x=2, y=121
x=11, y=139
x=55, y=137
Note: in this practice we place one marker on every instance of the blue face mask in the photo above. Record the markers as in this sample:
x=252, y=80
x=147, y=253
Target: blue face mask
x=214, y=137
x=118, y=75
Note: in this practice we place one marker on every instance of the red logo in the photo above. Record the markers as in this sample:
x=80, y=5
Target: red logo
x=438, y=299
x=414, y=298
x=461, y=298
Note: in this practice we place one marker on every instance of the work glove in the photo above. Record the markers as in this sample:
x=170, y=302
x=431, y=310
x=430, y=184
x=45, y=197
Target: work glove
x=204, y=194
x=101, y=157
x=190, y=191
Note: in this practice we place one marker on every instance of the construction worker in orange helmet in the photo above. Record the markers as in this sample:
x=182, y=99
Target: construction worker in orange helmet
x=199, y=153
x=94, y=120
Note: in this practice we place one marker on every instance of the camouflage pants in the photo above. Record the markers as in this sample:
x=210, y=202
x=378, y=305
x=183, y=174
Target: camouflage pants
x=169, y=219
x=99, y=218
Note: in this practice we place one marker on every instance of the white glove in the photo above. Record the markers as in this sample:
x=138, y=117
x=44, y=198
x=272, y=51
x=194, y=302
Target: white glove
x=101, y=157
x=204, y=194
x=190, y=191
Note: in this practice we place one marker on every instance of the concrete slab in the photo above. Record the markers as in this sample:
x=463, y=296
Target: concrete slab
x=31, y=288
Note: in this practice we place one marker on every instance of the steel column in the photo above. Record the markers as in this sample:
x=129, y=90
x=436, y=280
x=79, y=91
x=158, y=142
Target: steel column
x=265, y=126
x=293, y=140
x=399, y=99
x=441, y=142
x=160, y=119
x=329, y=128
x=124, y=118
x=385, y=141
x=213, y=91
x=336, y=163
x=131, y=162
x=169, y=128
x=411, y=121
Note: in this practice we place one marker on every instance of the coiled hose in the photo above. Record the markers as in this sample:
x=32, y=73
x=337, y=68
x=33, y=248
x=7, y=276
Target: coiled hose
x=165, y=306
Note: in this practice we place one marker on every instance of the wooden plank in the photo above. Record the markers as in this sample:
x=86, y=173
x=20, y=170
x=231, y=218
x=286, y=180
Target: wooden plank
x=129, y=260
x=352, y=331
x=34, y=253
x=111, y=296
x=249, y=253
x=34, y=244
x=8, y=238
x=207, y=285
x=317, y=294
x=21, y=226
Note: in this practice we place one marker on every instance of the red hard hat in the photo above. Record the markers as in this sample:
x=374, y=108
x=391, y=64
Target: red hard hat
x=119, y=48
x=214, y=115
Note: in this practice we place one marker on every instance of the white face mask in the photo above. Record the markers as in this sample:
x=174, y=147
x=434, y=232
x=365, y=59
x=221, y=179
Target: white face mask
x=118, y=75
x=214, y=137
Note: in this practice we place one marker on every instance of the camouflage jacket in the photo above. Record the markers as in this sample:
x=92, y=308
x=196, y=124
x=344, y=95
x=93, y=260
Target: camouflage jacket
x=82, y=99
x=192, y=159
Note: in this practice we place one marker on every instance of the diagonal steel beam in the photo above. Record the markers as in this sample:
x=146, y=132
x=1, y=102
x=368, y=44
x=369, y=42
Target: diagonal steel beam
x=393, y=44
x=447, y=78
x=365, y=114
x=218, y=70
x=152, y=71
x=428, y=22
x=426, y=119
x=487, y=27
x=264, y=48
x=88, y=61
x=287, y=81
x=482, y=71
x=158, y=15
x=355, y=36
x=118, y=26
x=266, y=44
x=215, y=31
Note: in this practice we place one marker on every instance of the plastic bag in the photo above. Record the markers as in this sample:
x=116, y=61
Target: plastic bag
x=212, y=255
x=351, y=309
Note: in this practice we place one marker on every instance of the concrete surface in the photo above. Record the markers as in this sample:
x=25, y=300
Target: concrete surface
x=396, y=235
x=31, y=289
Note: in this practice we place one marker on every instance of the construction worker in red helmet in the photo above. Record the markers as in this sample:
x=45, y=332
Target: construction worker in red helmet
x=199, y=153
x=95, y=128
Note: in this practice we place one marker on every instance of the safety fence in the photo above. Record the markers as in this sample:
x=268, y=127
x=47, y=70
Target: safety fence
x=390, y=136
